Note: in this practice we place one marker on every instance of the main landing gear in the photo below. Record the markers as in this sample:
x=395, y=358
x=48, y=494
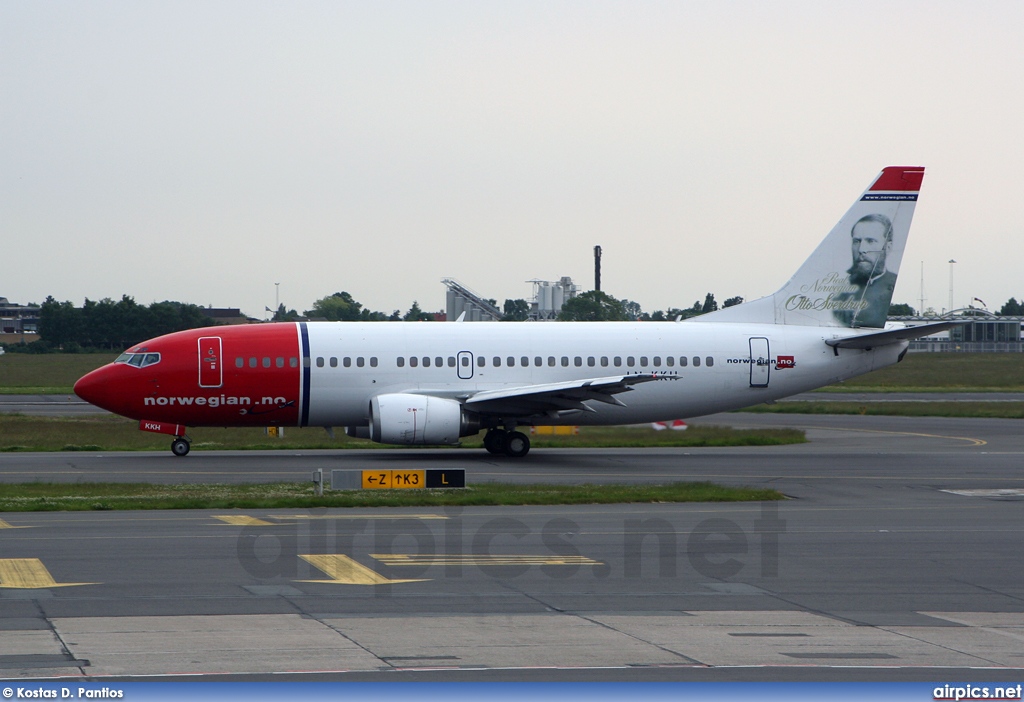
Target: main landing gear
x=180, y=446
x=514, y=444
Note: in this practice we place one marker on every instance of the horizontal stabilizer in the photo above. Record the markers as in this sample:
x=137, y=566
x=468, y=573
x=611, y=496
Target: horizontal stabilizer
x=892, y=336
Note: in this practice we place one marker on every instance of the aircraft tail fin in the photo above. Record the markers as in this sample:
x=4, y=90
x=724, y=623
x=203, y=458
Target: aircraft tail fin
x=849, y=279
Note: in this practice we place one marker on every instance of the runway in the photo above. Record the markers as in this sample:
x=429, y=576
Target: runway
x=897, y=557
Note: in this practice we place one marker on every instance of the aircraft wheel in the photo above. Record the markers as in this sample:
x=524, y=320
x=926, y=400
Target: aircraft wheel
x=518, y=444
x=180, y=447
x=495, y=441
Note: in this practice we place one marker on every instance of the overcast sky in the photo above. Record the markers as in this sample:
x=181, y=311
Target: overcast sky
x=204, y=151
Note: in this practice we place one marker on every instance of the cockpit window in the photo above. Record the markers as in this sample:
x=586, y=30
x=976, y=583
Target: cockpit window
x=139, y=360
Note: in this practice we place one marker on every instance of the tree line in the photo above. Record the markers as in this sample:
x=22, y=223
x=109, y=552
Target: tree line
x=110, y=325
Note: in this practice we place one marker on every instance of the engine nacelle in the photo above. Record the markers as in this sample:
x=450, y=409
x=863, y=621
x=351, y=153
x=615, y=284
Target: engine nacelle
x=404, y=418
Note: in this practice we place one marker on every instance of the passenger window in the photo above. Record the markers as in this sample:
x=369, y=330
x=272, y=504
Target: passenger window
x=481, y=361
x=319, y=362
x=565, y=361
x=630, y=361
x=305, y=362
x=682, y=361
x=657, y=361
x=334, y=361
x=710, y=361
x=525, y=361
x=373, y=361
x=577, y=361
x=538, y=361
x=360, y=361
x=696, y=361
x=451, y=361
x=510, y=361
x=239, y=362
x=293, y=362
x=670, y=361
x=252, y=362
x=439, y=362
x=551, y=361
x=497, y=361
x=643, y=361
x=426, y=362
x=413, y=361
x=465, y=361
x=279, y=361
x=618, y=361
x=591, y=361
x=401, y=362
x=347, y=361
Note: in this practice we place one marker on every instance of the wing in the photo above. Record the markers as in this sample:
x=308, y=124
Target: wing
x=552, y=398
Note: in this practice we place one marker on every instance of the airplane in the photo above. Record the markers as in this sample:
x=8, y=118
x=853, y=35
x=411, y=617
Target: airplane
x=418, y=383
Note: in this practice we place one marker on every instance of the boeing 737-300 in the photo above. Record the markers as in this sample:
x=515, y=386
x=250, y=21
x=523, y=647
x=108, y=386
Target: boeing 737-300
x=433, y=383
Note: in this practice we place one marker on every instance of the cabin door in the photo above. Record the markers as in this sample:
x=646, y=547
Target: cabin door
x=211, y=369
x=760, y=362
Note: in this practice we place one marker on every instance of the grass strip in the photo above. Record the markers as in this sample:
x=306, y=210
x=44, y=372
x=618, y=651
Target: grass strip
x=110, y=433
x=73, y=497
x=993, y=410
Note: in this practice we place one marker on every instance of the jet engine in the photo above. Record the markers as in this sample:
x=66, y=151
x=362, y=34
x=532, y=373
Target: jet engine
x=404, y=418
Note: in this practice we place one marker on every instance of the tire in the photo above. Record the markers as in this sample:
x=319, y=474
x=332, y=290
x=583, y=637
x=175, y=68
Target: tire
x=180, y=447
x=495, y=441
x=517, y=445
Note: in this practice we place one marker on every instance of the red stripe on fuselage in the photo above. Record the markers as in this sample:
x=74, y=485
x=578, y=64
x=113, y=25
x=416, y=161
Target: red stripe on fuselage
x=260, y=385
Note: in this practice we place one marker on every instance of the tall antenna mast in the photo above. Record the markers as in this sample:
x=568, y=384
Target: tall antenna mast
x=597, y=268
x=920, y=310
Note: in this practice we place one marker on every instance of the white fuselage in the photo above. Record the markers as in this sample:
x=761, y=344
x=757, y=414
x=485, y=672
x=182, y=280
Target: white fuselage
x=723, y=369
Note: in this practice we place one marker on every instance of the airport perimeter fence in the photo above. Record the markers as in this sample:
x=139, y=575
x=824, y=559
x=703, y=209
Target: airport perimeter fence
x=920, y=345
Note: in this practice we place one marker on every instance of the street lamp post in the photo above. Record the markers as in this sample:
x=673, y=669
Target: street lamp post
x=951, y=262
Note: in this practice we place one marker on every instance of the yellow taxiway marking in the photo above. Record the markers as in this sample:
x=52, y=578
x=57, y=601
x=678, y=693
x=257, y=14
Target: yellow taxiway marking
x=972, y=441
x=343, y=570
x=410, y=559
x=357, y=516
x=5, y=525
x=28, y=574
x=241, y=520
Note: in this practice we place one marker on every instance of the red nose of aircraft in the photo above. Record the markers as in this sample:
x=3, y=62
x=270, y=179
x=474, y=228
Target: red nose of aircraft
x=100, y=388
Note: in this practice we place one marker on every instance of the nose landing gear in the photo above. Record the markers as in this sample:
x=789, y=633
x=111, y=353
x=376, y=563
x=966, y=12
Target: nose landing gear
x=180, y=446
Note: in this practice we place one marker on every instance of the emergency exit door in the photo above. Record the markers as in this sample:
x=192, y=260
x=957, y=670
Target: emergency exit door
x=760, y=362
x=211, y=370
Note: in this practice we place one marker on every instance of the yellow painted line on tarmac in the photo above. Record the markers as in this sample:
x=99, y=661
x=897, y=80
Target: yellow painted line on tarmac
x=343, y=570
x=5, y=525
x=28, y=574
x=414, y=559
x=241, y=520
x=357, y=516
x=972, y=441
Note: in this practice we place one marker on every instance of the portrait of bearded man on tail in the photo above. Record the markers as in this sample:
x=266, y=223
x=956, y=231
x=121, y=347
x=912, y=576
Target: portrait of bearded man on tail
x=870, y=241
